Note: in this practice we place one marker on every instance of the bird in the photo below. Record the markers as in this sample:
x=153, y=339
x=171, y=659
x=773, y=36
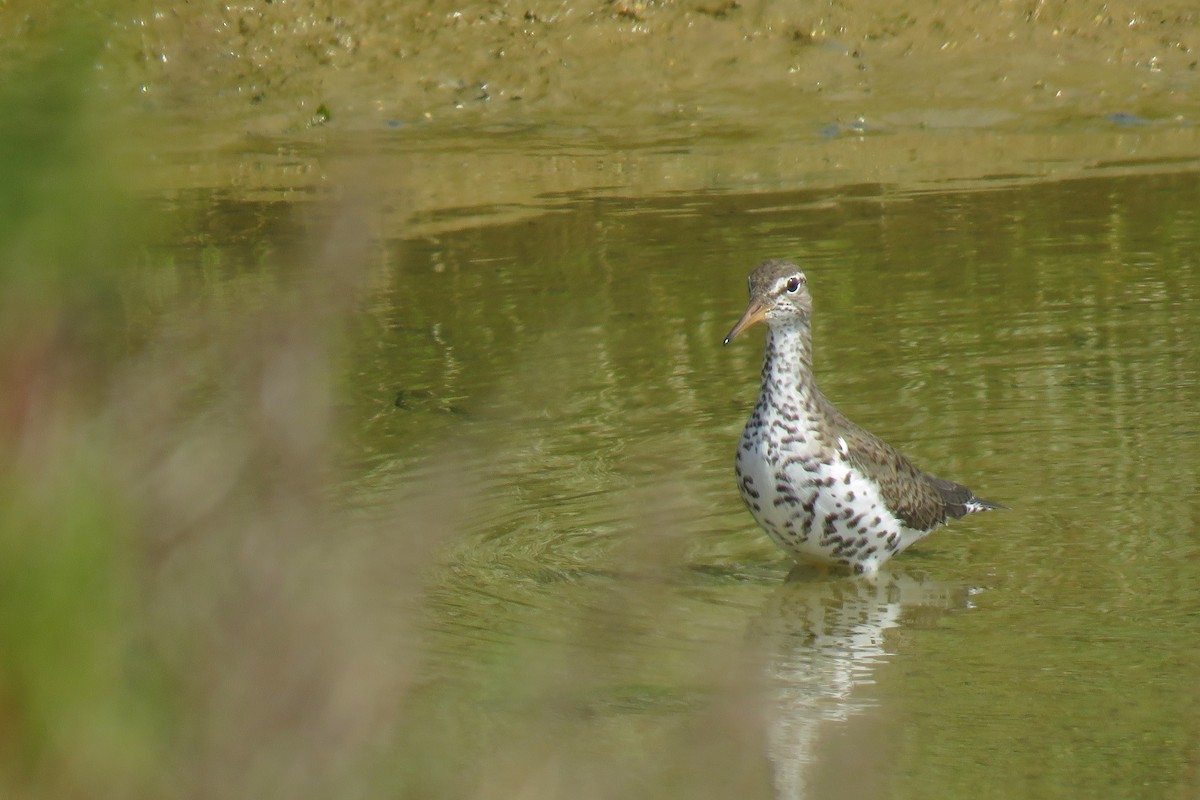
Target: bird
x=825, y=490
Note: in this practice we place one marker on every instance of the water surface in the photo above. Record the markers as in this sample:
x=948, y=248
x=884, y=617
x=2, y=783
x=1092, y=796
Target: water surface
x=606, y=617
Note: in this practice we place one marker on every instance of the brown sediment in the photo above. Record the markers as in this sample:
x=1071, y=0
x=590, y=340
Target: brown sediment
x=490, y=104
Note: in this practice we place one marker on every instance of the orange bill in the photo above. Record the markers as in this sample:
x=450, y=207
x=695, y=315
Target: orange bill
x=755, y=312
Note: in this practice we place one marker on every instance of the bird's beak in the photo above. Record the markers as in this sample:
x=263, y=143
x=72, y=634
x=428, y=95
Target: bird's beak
x=755, y=312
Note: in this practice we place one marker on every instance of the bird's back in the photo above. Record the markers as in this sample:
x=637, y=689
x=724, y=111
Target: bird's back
x=922, y=501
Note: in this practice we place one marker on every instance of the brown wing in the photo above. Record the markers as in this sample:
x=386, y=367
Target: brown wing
x=910, y=494
x=919, y=500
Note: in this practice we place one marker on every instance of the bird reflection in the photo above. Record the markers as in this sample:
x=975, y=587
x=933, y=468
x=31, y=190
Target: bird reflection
x=824, y=636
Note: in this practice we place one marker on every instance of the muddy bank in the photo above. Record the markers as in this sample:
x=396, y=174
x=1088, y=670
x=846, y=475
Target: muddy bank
x=479, y=103
x=745, y=65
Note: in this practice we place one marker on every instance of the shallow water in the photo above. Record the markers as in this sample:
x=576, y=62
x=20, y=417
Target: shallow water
x=607, y=604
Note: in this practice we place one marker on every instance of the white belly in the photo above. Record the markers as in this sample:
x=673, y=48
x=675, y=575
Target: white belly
x=815, y=505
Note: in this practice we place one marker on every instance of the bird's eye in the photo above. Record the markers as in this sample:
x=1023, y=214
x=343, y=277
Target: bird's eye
x=793, y=284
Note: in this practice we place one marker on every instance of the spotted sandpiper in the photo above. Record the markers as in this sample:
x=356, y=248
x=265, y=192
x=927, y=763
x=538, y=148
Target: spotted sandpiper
x=824, y=489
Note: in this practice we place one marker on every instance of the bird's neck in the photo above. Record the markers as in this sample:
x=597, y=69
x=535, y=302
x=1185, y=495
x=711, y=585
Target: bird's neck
x=787, y=367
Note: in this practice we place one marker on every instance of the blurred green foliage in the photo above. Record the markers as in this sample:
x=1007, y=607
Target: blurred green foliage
x=73, y=712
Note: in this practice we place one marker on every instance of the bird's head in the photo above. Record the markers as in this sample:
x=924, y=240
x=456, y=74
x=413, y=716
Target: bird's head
x=778, y=294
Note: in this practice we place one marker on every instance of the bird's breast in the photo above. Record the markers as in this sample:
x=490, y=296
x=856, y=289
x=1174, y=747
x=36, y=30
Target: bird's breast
x=806, y=494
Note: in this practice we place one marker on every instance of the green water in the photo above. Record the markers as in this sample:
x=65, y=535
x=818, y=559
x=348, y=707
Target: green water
x=602, y=617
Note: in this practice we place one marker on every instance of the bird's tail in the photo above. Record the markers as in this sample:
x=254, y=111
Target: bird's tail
x=960, y=501
x=975, y=504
